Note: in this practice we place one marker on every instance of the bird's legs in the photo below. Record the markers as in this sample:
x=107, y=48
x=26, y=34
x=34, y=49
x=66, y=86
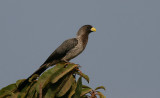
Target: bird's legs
x=67, y=63
x=77, y=68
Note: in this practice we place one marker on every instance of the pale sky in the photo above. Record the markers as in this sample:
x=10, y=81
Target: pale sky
x=123, y=55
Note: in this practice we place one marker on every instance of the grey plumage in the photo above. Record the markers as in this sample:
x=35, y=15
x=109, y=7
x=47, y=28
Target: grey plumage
x=61, y=51
x=68, y=50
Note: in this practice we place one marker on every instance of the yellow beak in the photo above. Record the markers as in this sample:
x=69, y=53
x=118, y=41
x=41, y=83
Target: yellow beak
x=93, y=29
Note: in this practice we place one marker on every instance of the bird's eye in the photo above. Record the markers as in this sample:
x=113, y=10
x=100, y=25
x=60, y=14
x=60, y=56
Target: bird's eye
x=88, y=28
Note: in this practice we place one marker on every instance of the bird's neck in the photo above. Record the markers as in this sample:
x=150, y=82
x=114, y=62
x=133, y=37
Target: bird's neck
x=83, y=39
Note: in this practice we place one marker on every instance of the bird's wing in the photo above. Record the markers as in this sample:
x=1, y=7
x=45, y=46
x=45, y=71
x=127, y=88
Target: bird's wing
x=61, y=51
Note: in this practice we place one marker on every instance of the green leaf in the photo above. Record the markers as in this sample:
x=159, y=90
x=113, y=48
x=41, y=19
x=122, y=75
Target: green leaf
x=8, y=90
x=36, y=95
x=78, y=88
x=63, y=81
x=63, y=71
x=6, y=94
x=85, y=96
x=54, y=74
x=84, y=76
x=44, y=79
x=85, y=86
x=66, y=86
x=85, y=91
x=51, y=91
x=19, y=82
x=100, y=87
x=72, y=91
x=10, y=87
x=32, y=90
x=25, y=90
x=100, y=94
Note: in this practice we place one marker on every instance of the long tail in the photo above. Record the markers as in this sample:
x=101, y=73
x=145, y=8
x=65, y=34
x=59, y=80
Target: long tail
x=37, y=72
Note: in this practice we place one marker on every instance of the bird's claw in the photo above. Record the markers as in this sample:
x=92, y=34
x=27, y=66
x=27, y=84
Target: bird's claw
x=67, y=63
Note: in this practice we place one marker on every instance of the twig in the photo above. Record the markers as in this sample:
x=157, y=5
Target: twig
x=40, y=90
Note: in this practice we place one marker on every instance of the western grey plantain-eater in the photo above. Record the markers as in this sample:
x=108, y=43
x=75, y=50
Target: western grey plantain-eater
x=68, y=50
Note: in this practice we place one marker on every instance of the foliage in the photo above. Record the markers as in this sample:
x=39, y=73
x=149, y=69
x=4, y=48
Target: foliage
x=57, y=82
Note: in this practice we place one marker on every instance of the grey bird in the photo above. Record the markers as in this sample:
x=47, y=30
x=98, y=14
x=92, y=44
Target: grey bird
x=68, y=50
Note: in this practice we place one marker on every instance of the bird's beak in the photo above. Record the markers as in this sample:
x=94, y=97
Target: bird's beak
x=93, y=29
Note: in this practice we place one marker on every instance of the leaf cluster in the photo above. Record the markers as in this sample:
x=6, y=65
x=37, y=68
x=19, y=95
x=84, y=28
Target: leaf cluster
x=57, y=82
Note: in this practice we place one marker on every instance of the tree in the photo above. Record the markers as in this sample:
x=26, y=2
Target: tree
x=57, y=82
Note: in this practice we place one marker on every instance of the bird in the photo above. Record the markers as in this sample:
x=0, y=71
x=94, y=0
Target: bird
x=68, y=50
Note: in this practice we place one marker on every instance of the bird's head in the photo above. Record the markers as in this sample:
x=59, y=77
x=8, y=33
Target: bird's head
x=86, y=29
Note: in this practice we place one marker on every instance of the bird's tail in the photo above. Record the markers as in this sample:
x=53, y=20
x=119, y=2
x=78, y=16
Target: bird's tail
x=37, y=72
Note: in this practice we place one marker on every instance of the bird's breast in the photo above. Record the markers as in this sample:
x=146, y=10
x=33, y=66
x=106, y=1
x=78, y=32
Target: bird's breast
x=75, y=51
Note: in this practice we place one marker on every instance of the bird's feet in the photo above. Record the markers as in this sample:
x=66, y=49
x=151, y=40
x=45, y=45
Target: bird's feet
x=66, y=62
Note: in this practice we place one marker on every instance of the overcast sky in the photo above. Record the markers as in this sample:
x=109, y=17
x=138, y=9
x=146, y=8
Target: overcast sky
x=123, y=55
